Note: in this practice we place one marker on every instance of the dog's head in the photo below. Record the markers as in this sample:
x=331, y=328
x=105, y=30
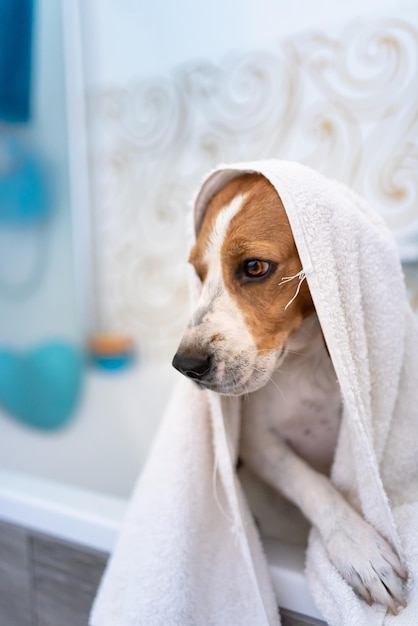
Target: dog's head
x=239, y=331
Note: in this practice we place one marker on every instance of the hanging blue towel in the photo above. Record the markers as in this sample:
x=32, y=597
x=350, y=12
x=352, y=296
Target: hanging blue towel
x=16, y=20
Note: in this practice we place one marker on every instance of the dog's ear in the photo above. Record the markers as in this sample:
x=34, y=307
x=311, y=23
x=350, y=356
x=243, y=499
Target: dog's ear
x=305, y=300
x=196, y=261
x=325, y=344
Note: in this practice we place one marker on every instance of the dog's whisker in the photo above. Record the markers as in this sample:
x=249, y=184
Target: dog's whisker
x=278, y=388
x=270, y=379
x=289, y=351
x=263, y=351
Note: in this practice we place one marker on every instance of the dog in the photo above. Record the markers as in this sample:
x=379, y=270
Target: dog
x=255, y=333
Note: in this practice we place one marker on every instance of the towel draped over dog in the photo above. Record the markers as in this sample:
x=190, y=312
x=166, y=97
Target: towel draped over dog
x=189, y=552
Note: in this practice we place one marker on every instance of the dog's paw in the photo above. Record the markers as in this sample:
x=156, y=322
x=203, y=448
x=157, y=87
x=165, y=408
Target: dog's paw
x=367, y=562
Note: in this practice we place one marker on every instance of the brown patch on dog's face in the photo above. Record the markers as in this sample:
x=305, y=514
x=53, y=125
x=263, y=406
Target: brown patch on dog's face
x=261, y=231
x=238, y=186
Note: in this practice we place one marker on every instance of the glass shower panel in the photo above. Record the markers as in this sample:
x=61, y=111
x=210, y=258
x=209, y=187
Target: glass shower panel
x=40, y=333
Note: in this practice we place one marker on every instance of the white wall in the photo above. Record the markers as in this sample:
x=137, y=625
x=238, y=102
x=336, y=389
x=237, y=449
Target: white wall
x=125, y=39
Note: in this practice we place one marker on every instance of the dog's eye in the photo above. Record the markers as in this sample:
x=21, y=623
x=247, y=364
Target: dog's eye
x=254, y=268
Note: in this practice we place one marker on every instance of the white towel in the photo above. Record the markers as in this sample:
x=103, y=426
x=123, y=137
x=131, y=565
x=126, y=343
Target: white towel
x=189, y=552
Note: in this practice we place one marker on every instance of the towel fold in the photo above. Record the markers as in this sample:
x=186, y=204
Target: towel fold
x=16, y=22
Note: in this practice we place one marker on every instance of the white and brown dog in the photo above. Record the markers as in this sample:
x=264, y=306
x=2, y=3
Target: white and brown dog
x=240, y=340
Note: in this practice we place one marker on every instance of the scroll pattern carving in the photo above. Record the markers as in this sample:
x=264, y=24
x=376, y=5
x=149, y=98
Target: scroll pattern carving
x=346, y=105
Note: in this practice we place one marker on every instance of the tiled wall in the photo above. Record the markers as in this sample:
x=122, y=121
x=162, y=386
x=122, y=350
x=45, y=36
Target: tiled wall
x=47, y=582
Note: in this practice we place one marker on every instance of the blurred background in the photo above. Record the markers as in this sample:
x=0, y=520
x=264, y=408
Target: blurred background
x=111, y=111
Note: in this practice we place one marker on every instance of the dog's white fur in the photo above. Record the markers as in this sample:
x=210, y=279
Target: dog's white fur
x=290, y=444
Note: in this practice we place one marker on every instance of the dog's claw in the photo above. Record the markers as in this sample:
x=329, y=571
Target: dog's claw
x=403, y=603
x=403, y=571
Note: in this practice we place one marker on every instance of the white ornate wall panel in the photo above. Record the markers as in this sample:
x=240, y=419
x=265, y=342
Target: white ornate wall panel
x=344, y=102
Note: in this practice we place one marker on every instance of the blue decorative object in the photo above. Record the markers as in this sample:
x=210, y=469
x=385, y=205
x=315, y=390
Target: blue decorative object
x=23, y=188
x=42, y=388
x=111, y=351
x=16, y=22
x=113, y=362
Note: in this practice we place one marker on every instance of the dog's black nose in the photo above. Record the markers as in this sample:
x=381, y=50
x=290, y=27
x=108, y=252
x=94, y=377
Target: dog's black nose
x=192, y=365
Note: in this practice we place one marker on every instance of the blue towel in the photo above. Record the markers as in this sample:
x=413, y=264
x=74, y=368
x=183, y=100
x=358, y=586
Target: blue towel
x=16, y=20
